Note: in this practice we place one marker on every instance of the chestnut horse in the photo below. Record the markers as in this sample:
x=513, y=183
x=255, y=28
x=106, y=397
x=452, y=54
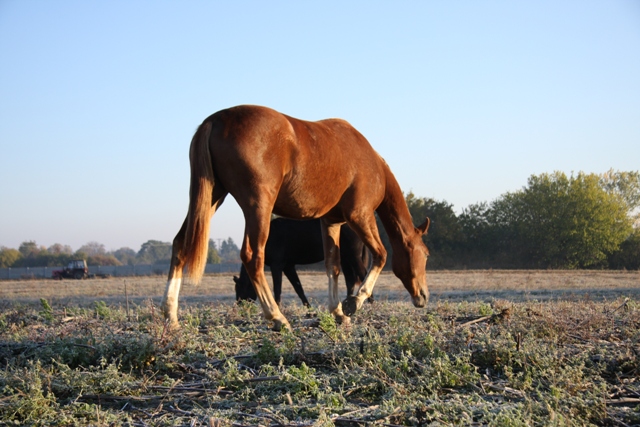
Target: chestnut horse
x=273, y=163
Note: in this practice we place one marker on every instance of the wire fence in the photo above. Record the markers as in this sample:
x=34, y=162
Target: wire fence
x=30, y=273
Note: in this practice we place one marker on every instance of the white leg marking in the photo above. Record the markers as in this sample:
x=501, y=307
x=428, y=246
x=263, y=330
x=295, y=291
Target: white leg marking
x=335, y=306
x=170, y=301
x=366, y=290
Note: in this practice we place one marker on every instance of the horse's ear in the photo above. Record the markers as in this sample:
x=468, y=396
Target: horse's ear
x=425, y=226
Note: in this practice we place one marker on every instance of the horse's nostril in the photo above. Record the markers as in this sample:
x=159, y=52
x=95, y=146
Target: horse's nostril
x=420, y=300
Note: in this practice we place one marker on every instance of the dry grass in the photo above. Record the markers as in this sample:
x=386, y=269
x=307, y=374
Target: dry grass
x=569, y=363
x=444, y=285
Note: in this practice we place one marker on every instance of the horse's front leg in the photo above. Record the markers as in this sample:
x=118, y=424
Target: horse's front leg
x=252, y=255
x=367, y=230
x=331, y=246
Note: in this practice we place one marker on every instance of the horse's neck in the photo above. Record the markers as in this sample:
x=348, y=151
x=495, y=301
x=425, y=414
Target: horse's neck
x=394, y=213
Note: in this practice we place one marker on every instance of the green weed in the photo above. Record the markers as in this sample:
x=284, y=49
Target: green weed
x=47, y=311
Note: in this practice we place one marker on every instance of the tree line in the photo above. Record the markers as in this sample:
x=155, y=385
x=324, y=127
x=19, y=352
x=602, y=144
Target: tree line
x=555, y=221
x=30, y=254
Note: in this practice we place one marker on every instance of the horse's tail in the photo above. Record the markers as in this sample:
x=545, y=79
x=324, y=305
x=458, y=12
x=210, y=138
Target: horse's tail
x=196, y=242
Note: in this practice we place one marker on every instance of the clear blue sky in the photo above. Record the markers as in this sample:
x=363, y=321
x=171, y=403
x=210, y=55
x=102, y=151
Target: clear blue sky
x=464, y=99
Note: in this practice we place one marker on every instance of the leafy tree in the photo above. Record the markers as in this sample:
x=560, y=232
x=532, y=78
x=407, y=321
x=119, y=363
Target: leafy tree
x=58, y=249
x=561, y=222
x=126, y=256
x=79, y=255
x=481, y=242
x=213, y=257
x=229, y=252
x=93, y=249
x=154, y=252
x=8, y=257
x=29, y=249
x=43, y=258
x=628, y=256
x=102, y=260
x=625, y=184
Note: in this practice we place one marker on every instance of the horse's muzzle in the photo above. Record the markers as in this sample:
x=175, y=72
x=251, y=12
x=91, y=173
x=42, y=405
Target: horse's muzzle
x=421, y=299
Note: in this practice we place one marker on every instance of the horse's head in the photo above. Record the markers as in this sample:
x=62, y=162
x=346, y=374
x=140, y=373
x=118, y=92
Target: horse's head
x=244, y=288
x=410, y=265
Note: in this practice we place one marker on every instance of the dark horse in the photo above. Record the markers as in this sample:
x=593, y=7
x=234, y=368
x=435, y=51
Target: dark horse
x=273, y=163
x=293, y=242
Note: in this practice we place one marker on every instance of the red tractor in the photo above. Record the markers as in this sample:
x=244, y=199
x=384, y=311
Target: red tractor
x=76, y=269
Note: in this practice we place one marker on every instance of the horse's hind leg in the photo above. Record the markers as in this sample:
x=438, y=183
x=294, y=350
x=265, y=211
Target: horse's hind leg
x=331, y=245
x=292, y=275
x=252, y=254
x=178, y=261
x=170, y=299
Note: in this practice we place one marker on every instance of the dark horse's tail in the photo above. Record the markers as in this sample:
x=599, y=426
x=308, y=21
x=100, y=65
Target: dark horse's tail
x=196, y=242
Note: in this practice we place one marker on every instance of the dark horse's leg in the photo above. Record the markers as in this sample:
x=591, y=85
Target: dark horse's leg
x=276, y=275
x=292, y=275
x=354, y=266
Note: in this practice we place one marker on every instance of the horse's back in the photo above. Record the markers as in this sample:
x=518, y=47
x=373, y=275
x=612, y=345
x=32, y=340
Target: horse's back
x=309, y=166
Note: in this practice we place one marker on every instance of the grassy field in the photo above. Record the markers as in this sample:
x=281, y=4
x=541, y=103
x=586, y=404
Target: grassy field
x=499, y=348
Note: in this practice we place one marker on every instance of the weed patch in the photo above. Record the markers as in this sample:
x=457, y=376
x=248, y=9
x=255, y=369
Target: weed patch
x=470, y=363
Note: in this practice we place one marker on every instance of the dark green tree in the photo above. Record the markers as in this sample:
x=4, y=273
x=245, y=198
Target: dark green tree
x=481, y=244
x=627, y=257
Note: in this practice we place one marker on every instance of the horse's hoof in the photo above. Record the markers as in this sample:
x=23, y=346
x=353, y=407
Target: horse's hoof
x=343, y=320
x=172, y=325
x=350, y=305
x=279, y=325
